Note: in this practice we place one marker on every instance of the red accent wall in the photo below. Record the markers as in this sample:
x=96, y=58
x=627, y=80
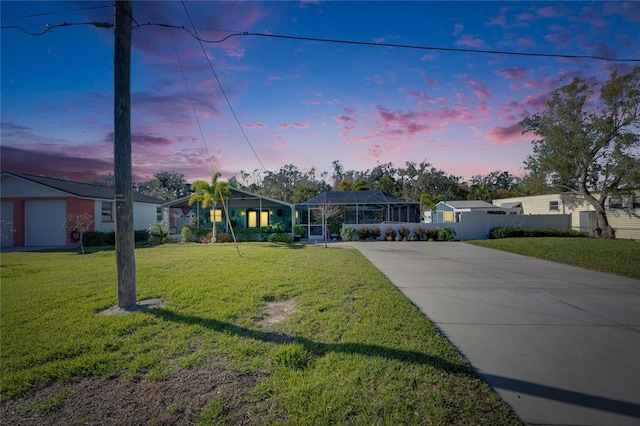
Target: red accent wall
x=18, y=222
x=77, y=205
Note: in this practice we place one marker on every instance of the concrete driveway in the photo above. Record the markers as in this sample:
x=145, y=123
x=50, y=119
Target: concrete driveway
x=560, y=344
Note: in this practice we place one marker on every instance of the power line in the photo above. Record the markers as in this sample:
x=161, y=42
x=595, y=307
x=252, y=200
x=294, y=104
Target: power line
x=195, y=35
x=191, y=100
x=64, y=24
x=221, y=88
x=55, y=13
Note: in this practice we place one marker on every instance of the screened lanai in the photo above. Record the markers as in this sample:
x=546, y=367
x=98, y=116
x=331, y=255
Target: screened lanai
x=356, y=207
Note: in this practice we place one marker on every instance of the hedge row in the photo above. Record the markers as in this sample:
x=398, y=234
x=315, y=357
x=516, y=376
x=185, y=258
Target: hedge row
x=508, y=232
x=96, y=238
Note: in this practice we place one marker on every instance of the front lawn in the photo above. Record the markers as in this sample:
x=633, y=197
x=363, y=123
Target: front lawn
x=621, y=257
x=284, y=334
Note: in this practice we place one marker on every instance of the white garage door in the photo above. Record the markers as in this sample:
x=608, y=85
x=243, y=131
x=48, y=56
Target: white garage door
x=7, y=223
x=45, y=223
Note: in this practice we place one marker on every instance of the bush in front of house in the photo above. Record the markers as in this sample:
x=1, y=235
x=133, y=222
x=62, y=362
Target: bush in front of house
x=347, y=233
x=419, y=233
x=363, y=233
x=513, y=232
x=375, y=233
x=222, y=237
x=253, y=234
x=159, y=234
x=446, y=234
x=404, y=232
x=280, y=238
x=98, y=238
x=390, y=234
x=431, y=234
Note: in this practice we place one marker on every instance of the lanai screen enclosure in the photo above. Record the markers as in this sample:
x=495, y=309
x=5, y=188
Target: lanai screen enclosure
x=356, y=207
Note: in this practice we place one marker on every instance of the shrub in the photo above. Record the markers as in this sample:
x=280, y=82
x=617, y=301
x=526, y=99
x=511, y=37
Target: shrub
x=159, y=234
x=404, y=233
x=139, y=235
x=96, y=238
x=298, y=230
x=222, y=237
x=207, y=238
x=363, y=233
x=510, y=232
x=419, y=233
x=375, y=232
x=334, y=227
x=390, y=234
x=446, y=234
x=431, y=234
x=347, y=233
x=187, y=234
x=280, y=238
x=252, y=234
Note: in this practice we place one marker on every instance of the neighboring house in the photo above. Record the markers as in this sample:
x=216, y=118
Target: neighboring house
x=34, y=209
x=623, y=211
x=246, y=210
x=451, y=211
x=356, y=207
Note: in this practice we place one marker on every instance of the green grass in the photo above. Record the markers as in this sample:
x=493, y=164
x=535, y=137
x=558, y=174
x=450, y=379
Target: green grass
x=354, y=351
x=619, y=257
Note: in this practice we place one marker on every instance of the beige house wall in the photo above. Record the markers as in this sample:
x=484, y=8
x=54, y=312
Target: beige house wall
x=625, y=220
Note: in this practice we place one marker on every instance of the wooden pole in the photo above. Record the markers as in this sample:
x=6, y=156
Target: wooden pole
x=125, y=255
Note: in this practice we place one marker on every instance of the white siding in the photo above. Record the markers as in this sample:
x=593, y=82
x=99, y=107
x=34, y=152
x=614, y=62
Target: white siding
x=144, y=215
x=625, y=221
x=44, y=223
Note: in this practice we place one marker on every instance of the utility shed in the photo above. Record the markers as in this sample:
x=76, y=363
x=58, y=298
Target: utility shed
x=451, y=211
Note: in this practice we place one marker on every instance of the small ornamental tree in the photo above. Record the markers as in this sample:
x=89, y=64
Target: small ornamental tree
x=77, y=224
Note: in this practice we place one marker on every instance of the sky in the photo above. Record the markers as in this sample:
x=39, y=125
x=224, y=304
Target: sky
x=301, y=102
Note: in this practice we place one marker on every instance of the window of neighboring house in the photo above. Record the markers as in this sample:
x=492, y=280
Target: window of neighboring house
x=635, y=202
x=615, y=202
x=107, y=211
x=158, y=213
x=554, y=206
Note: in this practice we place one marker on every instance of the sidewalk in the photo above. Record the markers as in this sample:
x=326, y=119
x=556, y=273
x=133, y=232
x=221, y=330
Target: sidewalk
x=560, y=344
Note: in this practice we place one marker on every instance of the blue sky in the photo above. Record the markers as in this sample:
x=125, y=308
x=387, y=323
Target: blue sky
x=299, y=102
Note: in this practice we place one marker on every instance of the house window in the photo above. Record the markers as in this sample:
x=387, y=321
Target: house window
x=158, y=213
x=448, y=216
x=615, y=202
x=554, y=206
x=635, y=202
x=107, y=211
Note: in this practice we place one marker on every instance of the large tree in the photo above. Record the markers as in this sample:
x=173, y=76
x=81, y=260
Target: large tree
x=166, y=185
x=588, y=145
x=210, y=195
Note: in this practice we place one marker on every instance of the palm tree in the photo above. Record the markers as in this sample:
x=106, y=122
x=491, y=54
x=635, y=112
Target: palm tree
x=210, y=195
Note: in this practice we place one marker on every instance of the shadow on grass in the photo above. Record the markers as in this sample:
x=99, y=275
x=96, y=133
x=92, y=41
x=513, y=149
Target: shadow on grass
x=316, y=348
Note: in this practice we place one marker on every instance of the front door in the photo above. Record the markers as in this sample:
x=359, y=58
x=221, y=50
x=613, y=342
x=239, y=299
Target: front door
x=316, y=224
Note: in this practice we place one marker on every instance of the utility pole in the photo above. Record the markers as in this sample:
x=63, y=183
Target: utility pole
x=125, y=244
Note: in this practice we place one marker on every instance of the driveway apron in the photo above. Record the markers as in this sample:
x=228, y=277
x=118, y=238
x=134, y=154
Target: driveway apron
x=560, y=344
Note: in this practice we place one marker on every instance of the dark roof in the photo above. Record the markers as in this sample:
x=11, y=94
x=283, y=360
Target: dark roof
x=355, y=197
x=84, y=190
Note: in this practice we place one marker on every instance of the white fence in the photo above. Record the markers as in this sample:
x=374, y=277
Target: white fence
x=476, y=226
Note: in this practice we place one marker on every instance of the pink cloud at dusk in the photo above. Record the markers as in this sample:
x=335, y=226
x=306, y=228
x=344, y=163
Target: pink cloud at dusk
x=301, y=125
x=469, y=41
x=505, y=135
x=255, y=126
x=513, y=73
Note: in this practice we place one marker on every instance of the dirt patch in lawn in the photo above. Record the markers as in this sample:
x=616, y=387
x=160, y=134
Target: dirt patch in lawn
x=276, y=311
x=178, y=399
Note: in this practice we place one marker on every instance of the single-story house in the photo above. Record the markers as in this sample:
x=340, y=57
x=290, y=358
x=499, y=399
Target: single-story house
x=623, y=211
x=246, y=210
x=34, y=209
x=451, y=211
x=356, y=207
